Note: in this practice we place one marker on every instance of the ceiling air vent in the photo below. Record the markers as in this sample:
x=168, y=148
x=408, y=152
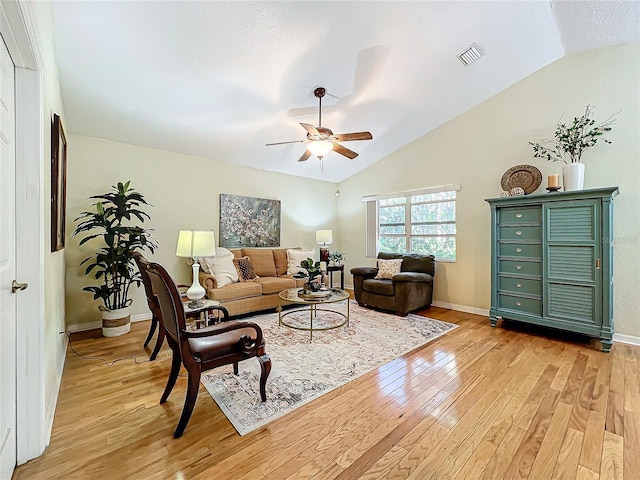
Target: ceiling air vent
x=470, y=55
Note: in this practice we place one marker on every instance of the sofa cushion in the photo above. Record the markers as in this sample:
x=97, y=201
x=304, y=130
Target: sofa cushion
x=281, y=261
x=275, y=284
x=220, y=266
x=261, y=261
x=235, y=291
x=413, y=262
x=379, y=287
x=245, y=269
x=388, y=268
x=299, y=282
x=294, y=258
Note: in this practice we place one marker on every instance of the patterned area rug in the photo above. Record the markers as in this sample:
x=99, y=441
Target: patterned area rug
x=303, y=370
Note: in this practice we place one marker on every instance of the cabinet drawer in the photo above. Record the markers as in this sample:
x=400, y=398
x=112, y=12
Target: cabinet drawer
x=520, y=268
x=520, y=215
x=520, y=304
x=520, y=285
x=519, y=233
x=519, y=250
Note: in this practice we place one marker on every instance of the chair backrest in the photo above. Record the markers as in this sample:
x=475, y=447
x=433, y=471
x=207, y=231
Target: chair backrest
x=169, y=301
x=143, y=266
x=413, y=262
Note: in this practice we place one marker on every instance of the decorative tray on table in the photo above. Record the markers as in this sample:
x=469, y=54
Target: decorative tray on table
x=319, y=295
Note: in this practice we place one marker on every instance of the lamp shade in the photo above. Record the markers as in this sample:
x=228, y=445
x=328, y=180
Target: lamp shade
x=196, y=243
x=320, y=147
x=324, y=236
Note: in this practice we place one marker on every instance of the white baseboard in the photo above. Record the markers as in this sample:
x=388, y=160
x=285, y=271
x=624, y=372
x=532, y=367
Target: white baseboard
x=628, y=339
x=55, y=388
x=461, y=308
x=82, y=327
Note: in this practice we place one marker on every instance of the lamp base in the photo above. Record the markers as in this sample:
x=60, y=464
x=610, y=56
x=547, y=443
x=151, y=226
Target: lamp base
x=195, y=304
x=324, y=254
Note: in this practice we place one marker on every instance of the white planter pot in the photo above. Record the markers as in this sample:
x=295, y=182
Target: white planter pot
x=115, y=322
x=573, y=176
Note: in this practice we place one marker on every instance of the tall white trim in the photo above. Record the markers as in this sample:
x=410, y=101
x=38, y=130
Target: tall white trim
x=628, y=339
x=408, y=193
x=31, y=430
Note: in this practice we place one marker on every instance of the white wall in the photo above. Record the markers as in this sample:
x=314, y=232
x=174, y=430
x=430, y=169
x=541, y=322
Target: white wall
x=184, y=192
x=477, y=147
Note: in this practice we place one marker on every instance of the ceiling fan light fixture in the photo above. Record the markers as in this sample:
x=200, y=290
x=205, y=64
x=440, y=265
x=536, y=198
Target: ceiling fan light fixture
x=320, y=148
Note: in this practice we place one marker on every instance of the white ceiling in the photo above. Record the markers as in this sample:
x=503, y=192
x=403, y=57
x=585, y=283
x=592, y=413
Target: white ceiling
x=220, y=79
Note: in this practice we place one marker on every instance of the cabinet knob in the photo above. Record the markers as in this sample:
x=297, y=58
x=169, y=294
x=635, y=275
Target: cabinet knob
x=518, y=215
x=519, y=304
x=518, y=267
x=518, y=250
x=519, y=285
x=518, y=232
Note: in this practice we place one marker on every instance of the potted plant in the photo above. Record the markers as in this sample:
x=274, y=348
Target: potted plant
x=569, y=144
x=311, y=273
x=336, y=258
x=113, y=264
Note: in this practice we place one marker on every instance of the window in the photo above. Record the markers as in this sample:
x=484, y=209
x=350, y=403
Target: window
x=421, y=221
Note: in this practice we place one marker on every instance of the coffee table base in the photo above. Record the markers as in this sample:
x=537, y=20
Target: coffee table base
x=313, y=312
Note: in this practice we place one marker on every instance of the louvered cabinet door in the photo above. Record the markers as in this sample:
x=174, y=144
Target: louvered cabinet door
x=572, y=259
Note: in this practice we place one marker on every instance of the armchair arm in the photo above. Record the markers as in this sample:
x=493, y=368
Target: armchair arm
x=207, y=280
x=415, y=277
x=247, y=344
x=368, y=272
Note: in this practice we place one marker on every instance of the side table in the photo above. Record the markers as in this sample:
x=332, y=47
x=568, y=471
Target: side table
x=336, y=268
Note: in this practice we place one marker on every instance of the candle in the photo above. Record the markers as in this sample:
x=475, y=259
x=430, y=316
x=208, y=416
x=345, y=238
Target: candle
x=553, y=180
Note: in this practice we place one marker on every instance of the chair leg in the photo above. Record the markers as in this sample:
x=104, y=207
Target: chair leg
x=235, y=368
x=152, y=330
x=265, y=367
x=159, y=342
x=189, y=402
x=173, y=376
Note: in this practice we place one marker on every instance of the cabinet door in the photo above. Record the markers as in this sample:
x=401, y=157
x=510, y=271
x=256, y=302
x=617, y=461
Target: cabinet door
x=572, y=262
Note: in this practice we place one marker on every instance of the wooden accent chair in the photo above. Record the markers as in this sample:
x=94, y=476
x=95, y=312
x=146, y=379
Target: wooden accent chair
x=152, y=301
x=227, y=342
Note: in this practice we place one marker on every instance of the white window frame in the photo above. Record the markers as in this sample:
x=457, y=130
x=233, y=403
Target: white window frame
x=373, y=224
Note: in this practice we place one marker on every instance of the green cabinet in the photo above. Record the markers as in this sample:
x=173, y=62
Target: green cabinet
x=551, y=261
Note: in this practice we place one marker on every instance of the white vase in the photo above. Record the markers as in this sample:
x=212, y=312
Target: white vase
x=115, y=322
x=573, y=176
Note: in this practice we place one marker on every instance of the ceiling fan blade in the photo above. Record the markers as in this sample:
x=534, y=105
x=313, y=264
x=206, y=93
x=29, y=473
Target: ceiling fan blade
x=305, y=156
x=345, y=137
x=344, y=151
x=284, y=143
x=310, y=128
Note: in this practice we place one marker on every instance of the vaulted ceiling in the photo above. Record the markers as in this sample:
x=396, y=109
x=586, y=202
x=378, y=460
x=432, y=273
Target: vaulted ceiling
x=221, y=79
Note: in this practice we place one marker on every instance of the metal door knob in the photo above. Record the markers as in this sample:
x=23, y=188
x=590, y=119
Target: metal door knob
x=15, y=286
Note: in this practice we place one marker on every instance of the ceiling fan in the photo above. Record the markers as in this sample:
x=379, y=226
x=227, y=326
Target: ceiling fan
x=321, y=140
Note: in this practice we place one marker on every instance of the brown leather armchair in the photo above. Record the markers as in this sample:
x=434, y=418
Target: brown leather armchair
x=407, y=291
x=228, y=342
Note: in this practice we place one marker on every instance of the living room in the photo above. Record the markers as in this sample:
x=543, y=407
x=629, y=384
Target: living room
x=472, y=149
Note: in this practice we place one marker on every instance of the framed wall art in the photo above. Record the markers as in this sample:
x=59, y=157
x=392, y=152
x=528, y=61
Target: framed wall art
x=249, y=222
x=58, y=184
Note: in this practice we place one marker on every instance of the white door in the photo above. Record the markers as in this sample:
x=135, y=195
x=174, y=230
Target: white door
x=7, y=267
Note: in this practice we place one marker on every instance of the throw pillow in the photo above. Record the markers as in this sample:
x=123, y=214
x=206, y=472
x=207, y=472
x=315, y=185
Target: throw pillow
x=261, y=261
x=245, y=269
x=220, y=266
x=294, y=257
x=388, y=268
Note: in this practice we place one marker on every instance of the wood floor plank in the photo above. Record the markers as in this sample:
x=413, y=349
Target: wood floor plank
x=478, y=403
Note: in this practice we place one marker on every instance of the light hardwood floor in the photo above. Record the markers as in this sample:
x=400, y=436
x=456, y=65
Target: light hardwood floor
x=477, y=403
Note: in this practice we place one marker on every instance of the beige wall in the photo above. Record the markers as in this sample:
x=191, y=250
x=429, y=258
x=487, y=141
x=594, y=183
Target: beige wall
x=184, y=192
x=477, y=147
x=54, y=264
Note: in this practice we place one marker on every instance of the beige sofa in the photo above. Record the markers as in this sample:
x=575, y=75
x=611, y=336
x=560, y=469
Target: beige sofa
x=260, y=294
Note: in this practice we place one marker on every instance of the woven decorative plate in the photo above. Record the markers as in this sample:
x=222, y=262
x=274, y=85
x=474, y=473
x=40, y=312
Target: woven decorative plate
x=526, y=177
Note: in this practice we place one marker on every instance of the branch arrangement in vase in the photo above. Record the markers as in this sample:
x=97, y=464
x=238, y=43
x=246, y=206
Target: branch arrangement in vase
x=572, y=140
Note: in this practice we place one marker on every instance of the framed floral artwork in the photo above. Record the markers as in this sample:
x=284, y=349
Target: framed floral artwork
x=249, y=221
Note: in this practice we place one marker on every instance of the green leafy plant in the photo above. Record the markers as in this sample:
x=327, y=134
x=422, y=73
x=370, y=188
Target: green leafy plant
x=337, y=256
x=571, y=141
x=312, y=269
x=113, y=264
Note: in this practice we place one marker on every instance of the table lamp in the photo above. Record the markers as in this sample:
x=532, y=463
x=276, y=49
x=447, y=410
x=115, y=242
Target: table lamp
x=324, y=237
x=194, y=244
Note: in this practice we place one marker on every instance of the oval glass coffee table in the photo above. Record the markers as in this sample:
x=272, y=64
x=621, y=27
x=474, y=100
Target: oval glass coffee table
x=295, y=295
